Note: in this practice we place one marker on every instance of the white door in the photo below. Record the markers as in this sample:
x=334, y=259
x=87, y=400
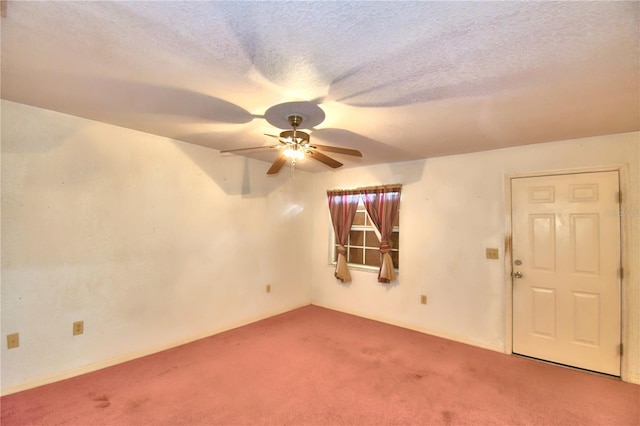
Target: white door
x=566, y=269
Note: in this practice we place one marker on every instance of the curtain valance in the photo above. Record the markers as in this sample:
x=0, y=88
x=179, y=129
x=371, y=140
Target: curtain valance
x=360, y=191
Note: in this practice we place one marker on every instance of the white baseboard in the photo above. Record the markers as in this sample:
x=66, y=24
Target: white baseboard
x=133, y=355
x=424, y=330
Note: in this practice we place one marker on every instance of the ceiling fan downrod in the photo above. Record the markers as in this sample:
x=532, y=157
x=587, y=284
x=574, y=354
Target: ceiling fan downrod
x=295, y=120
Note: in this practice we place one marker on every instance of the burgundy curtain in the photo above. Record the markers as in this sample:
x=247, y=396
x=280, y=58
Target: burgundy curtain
x=342, y=207
x=382, y=204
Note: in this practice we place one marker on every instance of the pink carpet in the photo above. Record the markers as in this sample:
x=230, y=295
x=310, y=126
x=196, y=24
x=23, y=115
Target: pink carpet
x=314, y=366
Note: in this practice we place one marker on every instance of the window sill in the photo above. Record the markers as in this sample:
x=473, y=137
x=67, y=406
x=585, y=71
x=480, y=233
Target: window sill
x=363, y=268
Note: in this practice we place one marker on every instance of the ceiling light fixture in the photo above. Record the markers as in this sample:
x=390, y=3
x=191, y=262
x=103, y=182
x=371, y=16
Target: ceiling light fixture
x=298, y=141
x=294, y=153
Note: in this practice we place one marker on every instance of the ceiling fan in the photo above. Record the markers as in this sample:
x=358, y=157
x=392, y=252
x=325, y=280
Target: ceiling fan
x=295, y=144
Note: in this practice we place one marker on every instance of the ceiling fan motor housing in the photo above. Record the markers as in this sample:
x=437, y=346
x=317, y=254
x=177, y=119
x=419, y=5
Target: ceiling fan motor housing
x=299, y=137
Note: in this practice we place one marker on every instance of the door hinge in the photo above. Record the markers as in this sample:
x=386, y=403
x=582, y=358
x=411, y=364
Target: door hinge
x=619, y=196
x=620, y=349
x=621, y=273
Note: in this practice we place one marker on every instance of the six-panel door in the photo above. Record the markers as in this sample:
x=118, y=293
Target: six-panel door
x=566, y=250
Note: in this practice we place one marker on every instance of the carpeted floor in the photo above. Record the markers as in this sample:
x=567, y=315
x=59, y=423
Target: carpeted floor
x=314, y=366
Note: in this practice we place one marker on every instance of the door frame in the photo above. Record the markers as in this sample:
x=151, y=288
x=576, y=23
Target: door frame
x=628, y=327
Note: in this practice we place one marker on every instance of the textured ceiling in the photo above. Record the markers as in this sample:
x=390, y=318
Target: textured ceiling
x=396, y=80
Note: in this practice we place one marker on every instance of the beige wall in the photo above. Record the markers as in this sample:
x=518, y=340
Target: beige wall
x=152, y=242
x=452, y=209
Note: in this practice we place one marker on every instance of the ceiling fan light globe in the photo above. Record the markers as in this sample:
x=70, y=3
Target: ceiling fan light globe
x=293, y=154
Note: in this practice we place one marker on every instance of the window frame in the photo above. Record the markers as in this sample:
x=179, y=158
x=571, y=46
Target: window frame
x=368, y=226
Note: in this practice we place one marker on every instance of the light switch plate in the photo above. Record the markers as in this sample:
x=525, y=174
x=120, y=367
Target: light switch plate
x=493, y=253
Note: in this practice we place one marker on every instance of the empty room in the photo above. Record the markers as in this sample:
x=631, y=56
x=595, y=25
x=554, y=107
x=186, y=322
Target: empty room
x=320, y=213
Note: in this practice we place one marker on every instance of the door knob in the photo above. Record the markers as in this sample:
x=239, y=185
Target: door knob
x=517, y=274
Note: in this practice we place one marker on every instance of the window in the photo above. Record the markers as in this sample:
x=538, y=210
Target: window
x=363, y=244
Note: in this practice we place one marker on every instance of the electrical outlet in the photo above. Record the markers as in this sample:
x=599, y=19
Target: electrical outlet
x=268, y=288
x=13, y=340
x=78, y=327
x=423, y=299
x=493, y=253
